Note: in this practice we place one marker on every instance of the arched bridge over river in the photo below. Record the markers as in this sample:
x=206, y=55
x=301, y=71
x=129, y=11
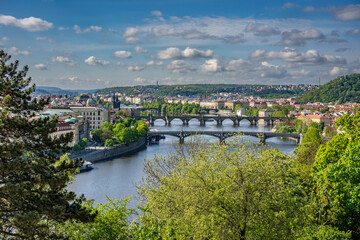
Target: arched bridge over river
x=221, y=135
x=204, y=118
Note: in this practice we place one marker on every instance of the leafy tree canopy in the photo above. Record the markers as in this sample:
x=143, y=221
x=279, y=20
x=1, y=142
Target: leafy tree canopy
x=340, y=90
x=33, y=179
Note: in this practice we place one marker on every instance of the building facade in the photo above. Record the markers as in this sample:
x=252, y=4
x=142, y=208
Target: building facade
x=95, y=115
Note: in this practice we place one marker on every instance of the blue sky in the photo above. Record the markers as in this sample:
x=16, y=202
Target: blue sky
x=91, y=44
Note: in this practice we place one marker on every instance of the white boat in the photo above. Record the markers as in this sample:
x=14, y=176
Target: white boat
x=87, y=166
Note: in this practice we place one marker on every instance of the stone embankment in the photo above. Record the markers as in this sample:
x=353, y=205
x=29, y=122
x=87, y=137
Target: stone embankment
x=103, y=153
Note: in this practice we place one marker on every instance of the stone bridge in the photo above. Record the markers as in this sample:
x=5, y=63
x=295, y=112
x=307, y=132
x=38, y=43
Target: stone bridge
x=158, y=110
x=204, y=118
x=221, y=135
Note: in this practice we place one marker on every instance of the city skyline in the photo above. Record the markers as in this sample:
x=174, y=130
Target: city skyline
x=98, y=44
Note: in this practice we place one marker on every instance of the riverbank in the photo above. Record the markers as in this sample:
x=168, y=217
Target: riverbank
x=104, y=153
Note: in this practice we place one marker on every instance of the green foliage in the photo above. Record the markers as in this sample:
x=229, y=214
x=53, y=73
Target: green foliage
x=323, y=232
x=336, y=178
x=126, y=131
x=221, y=192
x=33, y=180
x=306, y=151
x=252, y=111
x=110, y=142
x=111, y=222
x=173, y=108
x=273, y=93
x=340, y=90
x=284, y=128
x=81, y=145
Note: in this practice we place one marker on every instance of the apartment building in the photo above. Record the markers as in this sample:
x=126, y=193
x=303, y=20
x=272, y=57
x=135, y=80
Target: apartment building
x=95, y=115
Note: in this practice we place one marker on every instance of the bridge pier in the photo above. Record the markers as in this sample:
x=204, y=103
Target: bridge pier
x=218, y=122
x=236, y=122
x=253, y=122
x=167, y=121
x=262, y=138
x=185, y=122
x=151, y=122
x=202, y=121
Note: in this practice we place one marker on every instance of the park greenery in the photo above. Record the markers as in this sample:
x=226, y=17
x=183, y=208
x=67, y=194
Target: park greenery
x=33, y=178
x=124, y=132
x=171, y=108
x=83, y=143
x=300, y=126
x=340, y=90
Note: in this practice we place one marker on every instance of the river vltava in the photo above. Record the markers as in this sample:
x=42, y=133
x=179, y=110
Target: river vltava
x=117, y=177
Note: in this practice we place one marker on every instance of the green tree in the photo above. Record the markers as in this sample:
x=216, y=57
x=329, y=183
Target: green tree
x=221, y=192
x=306, y=151
x=336, y=178
x=112, y=222
x=32, y=178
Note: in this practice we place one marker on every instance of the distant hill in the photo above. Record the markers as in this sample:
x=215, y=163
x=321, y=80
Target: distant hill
x=343, y=89
x=59, y=91
x=174, y=90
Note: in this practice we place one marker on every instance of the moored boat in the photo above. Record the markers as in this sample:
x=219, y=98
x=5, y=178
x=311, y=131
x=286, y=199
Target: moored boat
x=87, y=166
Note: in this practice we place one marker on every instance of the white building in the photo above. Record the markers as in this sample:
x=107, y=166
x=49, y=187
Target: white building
x=95, y=115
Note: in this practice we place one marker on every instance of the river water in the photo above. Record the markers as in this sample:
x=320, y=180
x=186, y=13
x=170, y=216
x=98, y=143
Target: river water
x=118, y=177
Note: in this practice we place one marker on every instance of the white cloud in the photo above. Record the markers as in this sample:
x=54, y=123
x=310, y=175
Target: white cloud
x=289, y=5
x=211, y=65
x=262, y=30
x=139, y=80
x=130, y=31
x=30, y=24
x=180, y=66
x=190, y=53
x=74, y=78
x=3, y=41
x=67, y=61
x=45, y=39
x=309, y=9
x=236, y=64
x=40, y=66
x=354, y=31
x=16, y=51
x=132, y=40
x=156, y=13
x=62, y=28
x=139, y=49
x=337, y=71
x=347, y=13
x=133, y=67
x=122, y=54
x=96, y=28
x=153, y=63
x=298, y=38
x=310, y=57
x=93, y=61
x=78, y=30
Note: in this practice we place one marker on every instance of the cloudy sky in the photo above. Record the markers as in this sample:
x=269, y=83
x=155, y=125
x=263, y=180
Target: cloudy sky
x=96, y=44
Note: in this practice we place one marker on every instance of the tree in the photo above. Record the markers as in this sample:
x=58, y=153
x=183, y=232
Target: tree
x=336, y=178
x=32, y=178
x=112, y=222
x=221, y=192
x=305, y=153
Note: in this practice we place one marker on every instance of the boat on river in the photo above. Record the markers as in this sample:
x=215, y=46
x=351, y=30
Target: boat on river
x=87, y=166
